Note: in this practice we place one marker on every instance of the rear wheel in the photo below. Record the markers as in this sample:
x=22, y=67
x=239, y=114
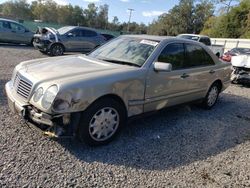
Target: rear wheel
x=56, y=50
x=101, y=122
x=212, y=96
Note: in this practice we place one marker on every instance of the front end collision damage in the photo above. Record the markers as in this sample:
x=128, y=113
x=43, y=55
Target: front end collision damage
x=44, y=38
x=241, y=69
x=240, y=75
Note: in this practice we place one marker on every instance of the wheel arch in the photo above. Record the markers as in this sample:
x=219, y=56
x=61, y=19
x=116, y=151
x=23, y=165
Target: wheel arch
x=219, y=82
x=114, y=97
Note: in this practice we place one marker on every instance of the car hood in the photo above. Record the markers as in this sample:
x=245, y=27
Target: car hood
x=241, y=61
x=66, y=67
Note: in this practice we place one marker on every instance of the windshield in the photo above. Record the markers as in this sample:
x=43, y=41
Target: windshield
x=126, y=50
x=190, y=37
x=243, y=50
x=64, y=30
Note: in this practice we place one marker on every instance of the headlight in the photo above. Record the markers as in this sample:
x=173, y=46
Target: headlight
x=38, y=94
x=49, y=96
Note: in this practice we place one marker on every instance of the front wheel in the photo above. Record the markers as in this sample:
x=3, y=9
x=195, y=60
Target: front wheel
x=212, y=96
x=56, y=50
x=101, y=122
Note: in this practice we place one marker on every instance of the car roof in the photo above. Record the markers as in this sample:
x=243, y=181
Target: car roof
x=149, y=37
x=81, y=27
x=195, y=35
x=8, y=20
x=162, y=38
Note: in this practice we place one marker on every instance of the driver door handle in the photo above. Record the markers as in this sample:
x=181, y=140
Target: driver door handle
x=184, y=75
x=212, y=71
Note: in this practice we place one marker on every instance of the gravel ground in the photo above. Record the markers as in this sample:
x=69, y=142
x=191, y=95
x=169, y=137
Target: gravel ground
x=179, y=147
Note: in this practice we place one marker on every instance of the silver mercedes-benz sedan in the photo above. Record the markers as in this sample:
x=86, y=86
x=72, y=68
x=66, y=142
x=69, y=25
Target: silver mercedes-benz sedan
x=92, y=96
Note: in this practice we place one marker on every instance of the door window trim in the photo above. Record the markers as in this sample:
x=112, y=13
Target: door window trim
x=185, y=56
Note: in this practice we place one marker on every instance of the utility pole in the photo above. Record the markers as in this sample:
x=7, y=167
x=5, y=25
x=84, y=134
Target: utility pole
x=130, y=14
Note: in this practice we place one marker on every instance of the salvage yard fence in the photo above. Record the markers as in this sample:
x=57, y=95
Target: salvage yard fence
x=228, y=44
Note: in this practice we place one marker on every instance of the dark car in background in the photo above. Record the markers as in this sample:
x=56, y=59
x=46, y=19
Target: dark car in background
x=108, y=36
x=14, y=32
x=67, y=39
x=235, y=52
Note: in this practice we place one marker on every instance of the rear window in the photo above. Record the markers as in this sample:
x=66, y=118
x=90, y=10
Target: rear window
x=197, y=56
x=205, y=41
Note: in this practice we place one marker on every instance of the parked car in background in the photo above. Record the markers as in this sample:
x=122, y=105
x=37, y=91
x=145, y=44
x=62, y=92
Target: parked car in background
x=92, y=95
x=235, y=52
x=67, y=39
x=13, y=32
x=241, y=69
x=108, y=36
x=218, y=50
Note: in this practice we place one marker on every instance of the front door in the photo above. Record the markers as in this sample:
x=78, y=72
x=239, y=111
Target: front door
x=167, y=88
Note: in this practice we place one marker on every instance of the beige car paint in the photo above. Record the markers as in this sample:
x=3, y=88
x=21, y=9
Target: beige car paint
x=82, y=80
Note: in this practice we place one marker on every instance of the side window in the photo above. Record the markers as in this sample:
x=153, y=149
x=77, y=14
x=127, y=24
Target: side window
x=1, y=25
x=88, y=33
x=17, y=27
x=205, y=41
x=197, y=56
x=174, y=54
x=5, y=25
x=76, y=33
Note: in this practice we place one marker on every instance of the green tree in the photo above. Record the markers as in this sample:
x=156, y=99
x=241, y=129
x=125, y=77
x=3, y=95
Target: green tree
x=186, y=17
x=91, y=15
x=18, y=8
x=234, y=24
x=102, y=16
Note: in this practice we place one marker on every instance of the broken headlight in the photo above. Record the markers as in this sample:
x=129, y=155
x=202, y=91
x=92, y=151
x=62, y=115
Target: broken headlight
x=49, y=96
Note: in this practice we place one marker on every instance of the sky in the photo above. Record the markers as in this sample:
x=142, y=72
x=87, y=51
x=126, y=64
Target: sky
x=145, y=10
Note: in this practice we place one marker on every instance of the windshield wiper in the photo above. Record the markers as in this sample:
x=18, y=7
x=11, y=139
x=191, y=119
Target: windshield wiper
x=121, y=62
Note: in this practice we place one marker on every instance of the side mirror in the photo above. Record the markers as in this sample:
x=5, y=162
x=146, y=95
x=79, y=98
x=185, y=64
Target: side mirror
x=162, y=67
x=70, y=35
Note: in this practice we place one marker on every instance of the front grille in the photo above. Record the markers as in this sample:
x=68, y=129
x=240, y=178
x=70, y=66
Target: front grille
x=22, y=86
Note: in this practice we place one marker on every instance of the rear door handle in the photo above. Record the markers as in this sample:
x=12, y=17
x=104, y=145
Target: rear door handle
x=212, y=71
x=184, y=75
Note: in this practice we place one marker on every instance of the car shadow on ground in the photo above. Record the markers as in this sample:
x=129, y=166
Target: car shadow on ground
x=21, y=46
x=173, y=137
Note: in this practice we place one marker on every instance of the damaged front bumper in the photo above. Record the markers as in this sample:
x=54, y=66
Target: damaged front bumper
x=60, y=125
x=240, y=75
x=42, y=45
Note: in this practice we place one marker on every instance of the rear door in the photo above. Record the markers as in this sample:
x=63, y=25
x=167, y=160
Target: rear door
x=72, y=41
x=200, y=69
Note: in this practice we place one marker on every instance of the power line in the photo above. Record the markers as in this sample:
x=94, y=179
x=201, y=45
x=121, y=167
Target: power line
x=130, y=14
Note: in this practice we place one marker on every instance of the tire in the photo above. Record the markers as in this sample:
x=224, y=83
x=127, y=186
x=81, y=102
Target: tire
x=31, y=42
x=43, y=52
x=101, y=122
x=212, y=96
x=56, y=50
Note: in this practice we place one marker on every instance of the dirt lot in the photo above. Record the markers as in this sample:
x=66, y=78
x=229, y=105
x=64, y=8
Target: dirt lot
x=179, y=147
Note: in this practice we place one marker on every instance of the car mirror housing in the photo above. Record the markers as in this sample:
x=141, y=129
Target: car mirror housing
x=70, y=34
x=162, y=67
